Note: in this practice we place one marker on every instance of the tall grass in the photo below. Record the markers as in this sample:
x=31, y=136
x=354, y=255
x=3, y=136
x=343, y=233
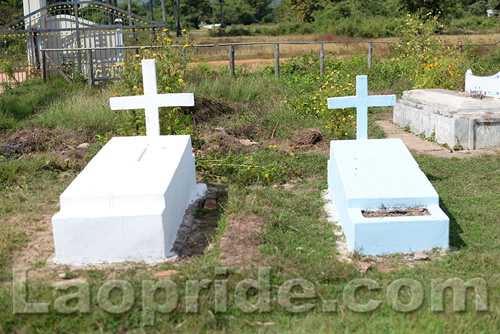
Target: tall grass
x=242, y=89
x=82, y=110
x=18, y=103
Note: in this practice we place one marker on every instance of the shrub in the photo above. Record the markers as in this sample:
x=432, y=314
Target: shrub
x=434, y=64
x=232, y=32
x=170, y=64
x=332, y=13
x=478, y=8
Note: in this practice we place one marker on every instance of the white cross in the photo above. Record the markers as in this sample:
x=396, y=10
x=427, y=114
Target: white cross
x=151, y=100
x=361, y=102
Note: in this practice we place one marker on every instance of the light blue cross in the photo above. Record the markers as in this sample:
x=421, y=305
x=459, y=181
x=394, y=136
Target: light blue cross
x=361, y=102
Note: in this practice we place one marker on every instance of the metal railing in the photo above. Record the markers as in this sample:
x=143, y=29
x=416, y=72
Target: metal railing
x=232, y=51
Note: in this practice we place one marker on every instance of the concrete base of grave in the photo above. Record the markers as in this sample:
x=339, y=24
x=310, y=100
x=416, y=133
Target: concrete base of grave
x=128, y=203
x=371, y=174
x=459, y=119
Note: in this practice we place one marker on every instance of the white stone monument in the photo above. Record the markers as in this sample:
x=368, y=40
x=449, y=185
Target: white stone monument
x=459, y=119
x=489, y=86
x=462, y=120
x=370, y=174
x=129, y=201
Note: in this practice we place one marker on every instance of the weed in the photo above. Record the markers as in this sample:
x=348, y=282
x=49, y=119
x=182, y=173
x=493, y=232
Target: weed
x=458, y=146
x=264, y=167
x=170, y=66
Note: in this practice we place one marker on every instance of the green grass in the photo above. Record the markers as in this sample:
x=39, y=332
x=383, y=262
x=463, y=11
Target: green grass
x=58, y=105
x=22, y=102
x=296, y=242
x=469, y=192
x=84, y=110
x=28, y=189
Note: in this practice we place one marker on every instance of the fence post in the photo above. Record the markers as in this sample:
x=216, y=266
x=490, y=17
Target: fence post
x=43, y=65
x=460, y=47
x=231, y=60
x=321, y=59
x=90, y=68
x=276, y=60
x=370, y=54
x=77, y=34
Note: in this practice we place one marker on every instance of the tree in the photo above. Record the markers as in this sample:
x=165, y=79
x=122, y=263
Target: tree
x=435, y=7
x=478, y=8
x=262, y=8
x=221, y=5
x=239, y=12
x=151, y=11
x=305, y=9
x=194, y=12
x=177, y=17
x=13, y=4
x=7, y=15
x=136, y=7
x=163, y=13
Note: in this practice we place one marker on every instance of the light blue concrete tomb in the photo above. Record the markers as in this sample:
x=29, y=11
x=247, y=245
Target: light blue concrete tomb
x=370, y=174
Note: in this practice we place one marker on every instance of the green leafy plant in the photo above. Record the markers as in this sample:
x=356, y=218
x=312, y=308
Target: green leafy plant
x=170, y=64
x=434, y=64
x=264, y=167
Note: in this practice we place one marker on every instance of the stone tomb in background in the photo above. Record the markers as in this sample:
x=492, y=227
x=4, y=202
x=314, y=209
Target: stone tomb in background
x=462, y=120
x=371, y=174
x=129, y=201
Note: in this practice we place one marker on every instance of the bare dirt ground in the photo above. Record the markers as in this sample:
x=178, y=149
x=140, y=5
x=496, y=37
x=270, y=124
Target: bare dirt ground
x=239, y=246
x=398, y=212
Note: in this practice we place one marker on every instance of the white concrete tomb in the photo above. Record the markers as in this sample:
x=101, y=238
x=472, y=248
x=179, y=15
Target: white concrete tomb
x=459, y=119
x=129, y=201
x=489, y=86
x=368, y=174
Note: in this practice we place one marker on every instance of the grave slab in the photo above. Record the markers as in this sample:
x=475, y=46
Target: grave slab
x=458, y=119
x=129, y=201
x=381, y=174
x=376, y=173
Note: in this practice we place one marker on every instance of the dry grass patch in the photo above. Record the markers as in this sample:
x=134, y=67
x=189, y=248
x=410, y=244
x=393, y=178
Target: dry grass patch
x=239, y=246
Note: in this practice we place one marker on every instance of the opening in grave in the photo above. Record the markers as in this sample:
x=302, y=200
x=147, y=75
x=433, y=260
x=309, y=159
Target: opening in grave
x=395, y=212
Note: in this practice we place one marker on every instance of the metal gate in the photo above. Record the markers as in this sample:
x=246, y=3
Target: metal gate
x=64, y=26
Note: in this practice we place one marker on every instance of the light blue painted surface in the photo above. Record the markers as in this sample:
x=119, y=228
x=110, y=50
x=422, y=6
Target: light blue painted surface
x=366, y=174
x=361, y=102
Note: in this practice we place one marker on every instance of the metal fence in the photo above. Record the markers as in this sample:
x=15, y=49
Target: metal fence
x=67, y=28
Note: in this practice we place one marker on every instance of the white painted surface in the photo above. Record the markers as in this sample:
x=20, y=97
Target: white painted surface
x=66, y=37
x=361, y=102
x=369, y=174
x=151, y=100
x=128, y=203
x=30, y=6
x=489, y=86
x=454, y=118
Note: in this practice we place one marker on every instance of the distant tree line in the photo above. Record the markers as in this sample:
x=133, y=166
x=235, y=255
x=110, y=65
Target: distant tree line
x=307, y=10
x=190, y=14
